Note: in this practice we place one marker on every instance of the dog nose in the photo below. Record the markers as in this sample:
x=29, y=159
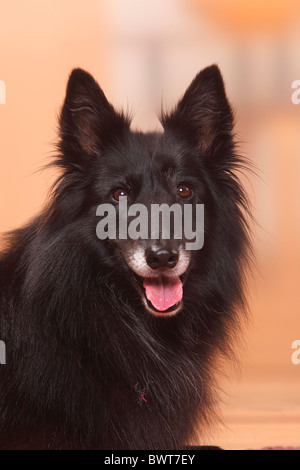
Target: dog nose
x=162, y=258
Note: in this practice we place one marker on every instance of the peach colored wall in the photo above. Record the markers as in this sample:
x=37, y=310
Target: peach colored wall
x=40, y=42
x=139, y=51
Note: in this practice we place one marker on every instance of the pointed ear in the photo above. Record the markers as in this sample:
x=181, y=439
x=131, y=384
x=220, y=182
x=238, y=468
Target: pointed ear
x=88, y=122
x=203, y=115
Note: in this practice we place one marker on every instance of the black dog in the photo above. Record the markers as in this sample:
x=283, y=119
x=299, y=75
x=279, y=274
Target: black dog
x=111, y=344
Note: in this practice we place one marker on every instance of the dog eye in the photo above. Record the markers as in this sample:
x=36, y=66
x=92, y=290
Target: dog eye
x=184, y=191
x=120, y=192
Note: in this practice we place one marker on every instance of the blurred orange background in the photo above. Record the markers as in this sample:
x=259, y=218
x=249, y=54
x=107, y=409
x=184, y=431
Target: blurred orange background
x=141, y=52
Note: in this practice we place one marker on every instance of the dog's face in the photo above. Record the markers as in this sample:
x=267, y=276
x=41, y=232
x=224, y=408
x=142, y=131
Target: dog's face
x=131, y=174
x=145, y=174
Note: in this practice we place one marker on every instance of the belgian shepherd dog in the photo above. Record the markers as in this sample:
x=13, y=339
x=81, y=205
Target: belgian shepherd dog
x=113, y=343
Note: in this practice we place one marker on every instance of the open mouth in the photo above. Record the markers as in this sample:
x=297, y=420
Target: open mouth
x=162, y=295
x=160, y=287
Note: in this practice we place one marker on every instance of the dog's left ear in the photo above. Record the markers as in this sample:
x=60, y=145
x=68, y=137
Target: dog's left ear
x=88, y=122
x=203, y=115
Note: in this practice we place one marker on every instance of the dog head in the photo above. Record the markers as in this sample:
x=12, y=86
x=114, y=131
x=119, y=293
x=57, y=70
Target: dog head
x=125, y=176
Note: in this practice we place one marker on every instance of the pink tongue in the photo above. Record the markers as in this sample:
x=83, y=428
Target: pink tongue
x=163, y=292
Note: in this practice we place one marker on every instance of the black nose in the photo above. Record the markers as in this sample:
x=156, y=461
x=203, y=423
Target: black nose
x=162, y=258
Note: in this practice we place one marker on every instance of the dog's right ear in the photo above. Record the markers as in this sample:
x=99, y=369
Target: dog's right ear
x=88, y=122
x=203, y=115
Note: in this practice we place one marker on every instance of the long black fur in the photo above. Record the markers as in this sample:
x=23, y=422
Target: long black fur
x=87, y=366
